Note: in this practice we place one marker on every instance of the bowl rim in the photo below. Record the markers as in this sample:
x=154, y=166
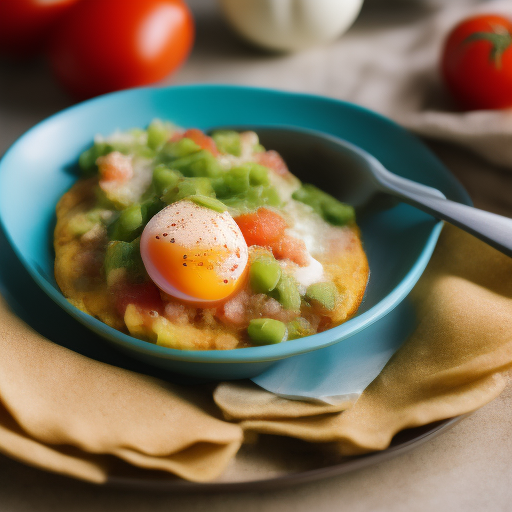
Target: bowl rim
x=248, y=354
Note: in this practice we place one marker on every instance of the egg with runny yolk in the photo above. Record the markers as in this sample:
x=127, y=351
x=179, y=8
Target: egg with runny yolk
x=194, y=253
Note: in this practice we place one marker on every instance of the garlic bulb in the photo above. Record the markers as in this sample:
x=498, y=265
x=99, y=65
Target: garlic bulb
x=291, y=25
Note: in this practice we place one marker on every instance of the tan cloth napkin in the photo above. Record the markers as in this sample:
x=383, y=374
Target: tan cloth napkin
x=452, y=363
x=388, y=62
x=423, y=105
x=66, y=413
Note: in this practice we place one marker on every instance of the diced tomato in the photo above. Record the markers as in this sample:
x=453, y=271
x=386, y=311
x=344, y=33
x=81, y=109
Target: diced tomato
x=145, y=296
x=272, y=159
x=291, y=248
x=202, y=140
x=267, y=229
x=111, y=173
x=115, y=167
x=262, y=227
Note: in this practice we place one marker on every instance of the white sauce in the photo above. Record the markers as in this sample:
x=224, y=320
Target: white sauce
x=313, y=273
x=308, y=226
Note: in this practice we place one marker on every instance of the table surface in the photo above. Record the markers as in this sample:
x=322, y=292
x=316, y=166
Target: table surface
x=466, y=469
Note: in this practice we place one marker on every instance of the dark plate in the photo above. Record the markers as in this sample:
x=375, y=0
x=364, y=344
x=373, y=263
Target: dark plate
x=293, y=462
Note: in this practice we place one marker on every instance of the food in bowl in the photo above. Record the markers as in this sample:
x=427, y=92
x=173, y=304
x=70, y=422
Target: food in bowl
x=198, y=243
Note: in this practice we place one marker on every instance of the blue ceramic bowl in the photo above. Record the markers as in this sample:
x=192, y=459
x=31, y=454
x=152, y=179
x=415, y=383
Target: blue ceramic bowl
x=38, y=169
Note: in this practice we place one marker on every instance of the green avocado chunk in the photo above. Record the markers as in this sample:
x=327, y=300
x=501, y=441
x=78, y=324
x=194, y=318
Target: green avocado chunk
x=209, y=202
x=299, y=328
x=198, y=164
x=332, y=210
x=124, y=255
x=264, y=275
x=287, y=293
x=131, y=220
x=158, y=133
x=164, y=179
x=324, y=294
x=266, y=331
x=228, y=141
x=87, y=159
x=187, y=187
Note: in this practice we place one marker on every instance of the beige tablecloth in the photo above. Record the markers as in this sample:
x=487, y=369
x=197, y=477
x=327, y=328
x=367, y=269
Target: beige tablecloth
x=466, y=469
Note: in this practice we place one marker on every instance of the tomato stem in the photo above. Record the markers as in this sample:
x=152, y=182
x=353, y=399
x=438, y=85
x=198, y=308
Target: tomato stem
x=500, y=40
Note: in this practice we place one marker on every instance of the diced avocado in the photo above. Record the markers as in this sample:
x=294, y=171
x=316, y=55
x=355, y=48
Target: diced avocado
x=299, y=328
x=87, y=159
x=220, y=187
x=228, y=141
x=246, y=187
x=237, y=180
x=143, y=151
x=118, y=255
x=258, y=175
x=324, y=294
x=164, y=179
x=287, y=293
x=260, y=195
x=209, y=202
x=332, y=210
x=266, y=331
x=131, y=220
x=150, y=207
x=124, y=255
x=158, y=133
x=241, y=179
x=264, y=274
x=174, y=150
x=201, y=164
x=128, y=225
x=337, y=213
x=189, y=187
x=254, y=198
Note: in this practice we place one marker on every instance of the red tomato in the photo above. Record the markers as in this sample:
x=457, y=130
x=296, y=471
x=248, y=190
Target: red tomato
x=273, y=160
x=263, y=227
x=290, y=248
x=267, y=229
x=477, y=62
x=202, y=140
x=24, y=24
x=106, y=45
x=146, y=296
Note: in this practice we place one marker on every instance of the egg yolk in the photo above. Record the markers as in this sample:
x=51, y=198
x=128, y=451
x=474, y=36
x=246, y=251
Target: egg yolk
x=193, y=253
x=192, y=272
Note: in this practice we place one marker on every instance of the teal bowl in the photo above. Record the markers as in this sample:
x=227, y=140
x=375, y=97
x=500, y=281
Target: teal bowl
x=40, y=167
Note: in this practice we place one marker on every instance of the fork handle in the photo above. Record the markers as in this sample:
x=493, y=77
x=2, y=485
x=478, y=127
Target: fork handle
x=493, y=229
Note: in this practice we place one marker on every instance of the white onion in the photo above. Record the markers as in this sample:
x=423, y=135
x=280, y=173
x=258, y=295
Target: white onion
x=291, y=25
